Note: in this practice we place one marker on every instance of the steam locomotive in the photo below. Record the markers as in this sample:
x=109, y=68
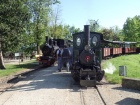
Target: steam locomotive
x=89, y=48
x=49, y=50
x=47, y=58
x=86, y=67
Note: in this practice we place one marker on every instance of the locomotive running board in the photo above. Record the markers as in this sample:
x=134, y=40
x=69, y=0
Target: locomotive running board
x=88, y=83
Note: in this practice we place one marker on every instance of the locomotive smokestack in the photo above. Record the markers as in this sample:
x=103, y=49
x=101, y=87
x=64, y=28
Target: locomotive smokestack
x=87, y=34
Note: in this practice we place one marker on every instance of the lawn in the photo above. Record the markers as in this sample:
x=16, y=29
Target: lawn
x=111, y=67
x=13, y=68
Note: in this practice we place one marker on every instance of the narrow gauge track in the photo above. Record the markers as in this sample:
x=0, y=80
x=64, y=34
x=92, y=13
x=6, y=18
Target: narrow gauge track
x=82, y=97
x=100, y=95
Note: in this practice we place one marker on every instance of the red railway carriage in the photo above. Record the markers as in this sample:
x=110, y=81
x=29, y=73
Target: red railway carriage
x=116, y=51
x=105, y=52
x=130, y=50
x=106, y=48
x=115, y=48
x=112, y=48
x=129, y=47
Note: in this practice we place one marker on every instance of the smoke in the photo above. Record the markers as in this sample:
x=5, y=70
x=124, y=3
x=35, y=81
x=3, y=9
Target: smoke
x=110, y=68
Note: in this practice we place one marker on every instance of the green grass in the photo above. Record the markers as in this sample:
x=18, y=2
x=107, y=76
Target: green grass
x=13, y=68
x=132, y=63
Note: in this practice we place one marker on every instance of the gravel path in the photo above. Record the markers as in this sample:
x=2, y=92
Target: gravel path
x=49, y=87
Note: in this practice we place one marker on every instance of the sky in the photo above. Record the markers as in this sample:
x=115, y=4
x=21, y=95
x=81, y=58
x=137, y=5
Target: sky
x=108, y=13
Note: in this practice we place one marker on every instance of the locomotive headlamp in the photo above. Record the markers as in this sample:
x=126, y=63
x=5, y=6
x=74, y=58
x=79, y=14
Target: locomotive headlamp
x=87, y=58
x=78, y=41
x=87, y=47
x=94, y=40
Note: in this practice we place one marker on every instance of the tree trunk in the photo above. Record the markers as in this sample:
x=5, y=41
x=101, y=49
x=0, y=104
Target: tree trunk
x=38, y=49
x=1, y=61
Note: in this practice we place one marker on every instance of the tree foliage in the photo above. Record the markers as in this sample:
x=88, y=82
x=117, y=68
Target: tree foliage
x=107, y=34
x=40, y=10
x=113, y=34
x=14, y=18
x=131, y=29
x=55, y=23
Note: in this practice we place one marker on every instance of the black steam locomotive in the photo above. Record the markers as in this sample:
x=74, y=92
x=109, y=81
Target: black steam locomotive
x=86, y=67
x=47, y=58
x=49, y=50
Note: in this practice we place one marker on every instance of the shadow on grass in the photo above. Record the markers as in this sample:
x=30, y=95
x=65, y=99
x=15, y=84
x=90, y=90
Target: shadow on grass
x=13, y=69
x=27, y=65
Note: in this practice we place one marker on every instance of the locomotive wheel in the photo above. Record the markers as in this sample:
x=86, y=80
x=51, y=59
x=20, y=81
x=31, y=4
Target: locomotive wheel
x=75, y=75
x=76, y=78
x=100, y=75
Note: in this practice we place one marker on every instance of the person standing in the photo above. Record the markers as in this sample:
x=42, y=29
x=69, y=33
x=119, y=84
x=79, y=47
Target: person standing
x=59, y=59
x=66, y=57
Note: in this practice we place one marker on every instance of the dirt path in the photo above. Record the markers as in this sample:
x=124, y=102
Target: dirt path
x=50, y=87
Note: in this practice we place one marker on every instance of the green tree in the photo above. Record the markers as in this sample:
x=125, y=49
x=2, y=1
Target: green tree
x=112, y=34
x=14, y=17
x=117, y=33
x=55, y=24
x=107, y=33
x=40, y=10
x=57, y=29
x=72, y=30
x=131, y=29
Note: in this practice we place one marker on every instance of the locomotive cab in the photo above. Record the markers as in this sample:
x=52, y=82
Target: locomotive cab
x=86, y=57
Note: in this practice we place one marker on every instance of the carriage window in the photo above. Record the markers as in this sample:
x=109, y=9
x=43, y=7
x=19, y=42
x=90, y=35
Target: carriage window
x=94, y=40
x=78, y=41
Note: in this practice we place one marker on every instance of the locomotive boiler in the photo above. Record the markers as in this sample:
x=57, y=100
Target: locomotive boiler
x=86, y=67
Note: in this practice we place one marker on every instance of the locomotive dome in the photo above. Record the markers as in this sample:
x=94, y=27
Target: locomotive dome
x=87, y=47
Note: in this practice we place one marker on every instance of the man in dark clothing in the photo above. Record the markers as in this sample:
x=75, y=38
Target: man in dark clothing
x=59, y=59
x=66, y=54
